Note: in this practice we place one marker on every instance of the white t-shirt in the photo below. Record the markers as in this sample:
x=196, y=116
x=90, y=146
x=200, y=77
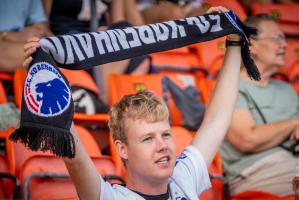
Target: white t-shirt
x=190, y=178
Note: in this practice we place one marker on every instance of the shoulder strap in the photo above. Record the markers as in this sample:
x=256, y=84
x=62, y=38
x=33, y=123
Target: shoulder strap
x=292, y=147
x=249, y=98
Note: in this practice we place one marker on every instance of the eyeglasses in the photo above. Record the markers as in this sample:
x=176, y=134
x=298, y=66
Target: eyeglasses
x=276, y=38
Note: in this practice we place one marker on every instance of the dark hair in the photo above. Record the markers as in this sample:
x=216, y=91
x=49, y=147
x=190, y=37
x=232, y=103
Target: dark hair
x=254, y=21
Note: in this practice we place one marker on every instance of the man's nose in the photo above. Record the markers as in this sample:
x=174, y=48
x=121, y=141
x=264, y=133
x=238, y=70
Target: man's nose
x=161, y=144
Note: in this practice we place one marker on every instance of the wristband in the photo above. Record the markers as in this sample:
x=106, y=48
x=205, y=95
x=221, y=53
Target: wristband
x=233, y=43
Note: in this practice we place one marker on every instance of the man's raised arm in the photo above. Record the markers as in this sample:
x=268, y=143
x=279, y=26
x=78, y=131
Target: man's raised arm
x=83, y=172
x=219, y=111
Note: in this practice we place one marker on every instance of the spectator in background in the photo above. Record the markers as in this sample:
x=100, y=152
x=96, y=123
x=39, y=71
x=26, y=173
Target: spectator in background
x=19, y=21
x=255, y=152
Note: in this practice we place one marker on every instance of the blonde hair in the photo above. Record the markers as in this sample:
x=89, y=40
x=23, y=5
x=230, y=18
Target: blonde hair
x=142, y=105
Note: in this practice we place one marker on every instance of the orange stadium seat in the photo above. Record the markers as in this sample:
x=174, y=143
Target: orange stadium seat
x=257, y=195
x=9, y=183
x=211, y=54
x=120, y=85
x=79, y=78
x=292, y=53
x=6, y=76
x=294, y=76
x=43, y=175
x=296, y=87
x=46, y=177
x=3, y=98
x=287, y=15
x=233, y=5
x=22, y=154
x=180, y=60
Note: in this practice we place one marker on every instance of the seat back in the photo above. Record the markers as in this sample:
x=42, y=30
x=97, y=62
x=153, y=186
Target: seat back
x=5, y=189
x=18, y=84
x=180, y=60
x=233, y=5
x=3, y=98
x=89, y=143
x=46, y=177
x=287, y=14
x=210, y=51
x=258, y=195
x=80, y=78
x=22, y=154
x=121, y=85
x=292, y=52
x=8, y=180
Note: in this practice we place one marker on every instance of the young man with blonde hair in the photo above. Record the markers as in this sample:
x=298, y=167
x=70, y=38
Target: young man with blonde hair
x=142, y=135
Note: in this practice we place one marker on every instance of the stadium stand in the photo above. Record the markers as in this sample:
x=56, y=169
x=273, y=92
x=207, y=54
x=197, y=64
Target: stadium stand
x=9, y=184
x=287, y=14
x=181, y=60
x=233, y=5
x=42, y=175
x=211, y=54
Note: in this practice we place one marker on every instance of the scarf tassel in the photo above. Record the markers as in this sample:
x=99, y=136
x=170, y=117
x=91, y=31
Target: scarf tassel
x=59, y=142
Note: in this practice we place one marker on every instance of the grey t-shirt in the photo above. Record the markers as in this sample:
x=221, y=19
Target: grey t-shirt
x=190, y=178
x=277, y=101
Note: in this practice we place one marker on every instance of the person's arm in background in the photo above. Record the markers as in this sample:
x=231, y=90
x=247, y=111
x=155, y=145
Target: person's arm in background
x=219, y=111
x=12, y=42
x=47, y=5
x=133, y=15
x=248, y=137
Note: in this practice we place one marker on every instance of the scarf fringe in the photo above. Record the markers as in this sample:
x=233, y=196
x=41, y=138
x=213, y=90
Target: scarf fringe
x=249, y=64
x=60, y=143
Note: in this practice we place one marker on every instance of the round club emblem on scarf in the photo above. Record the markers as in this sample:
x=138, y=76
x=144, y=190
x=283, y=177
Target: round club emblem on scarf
x=45, y=91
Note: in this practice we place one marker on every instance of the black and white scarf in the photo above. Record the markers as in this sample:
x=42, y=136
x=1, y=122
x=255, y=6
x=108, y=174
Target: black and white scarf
x=47, y=106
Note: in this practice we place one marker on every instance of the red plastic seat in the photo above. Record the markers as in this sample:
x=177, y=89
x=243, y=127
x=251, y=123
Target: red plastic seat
x=292, y=53
x=8, y=180
x=6, y=76
x=3, y=98
x=180, y=60
x=287, y=14
x=211, y=54
x=37, y=169
x=22, y=154
x=257, y=195
x=46, y=177
x=120, y=85
x=233, y=5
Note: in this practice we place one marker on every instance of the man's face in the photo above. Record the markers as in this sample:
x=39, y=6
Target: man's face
x=269, y=47
x=150, y=150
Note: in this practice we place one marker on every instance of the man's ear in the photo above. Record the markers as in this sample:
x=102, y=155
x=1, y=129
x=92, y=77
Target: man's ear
x=121, y=149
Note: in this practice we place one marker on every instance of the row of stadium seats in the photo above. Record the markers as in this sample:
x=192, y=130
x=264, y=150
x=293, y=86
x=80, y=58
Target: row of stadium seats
x=36, y=173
